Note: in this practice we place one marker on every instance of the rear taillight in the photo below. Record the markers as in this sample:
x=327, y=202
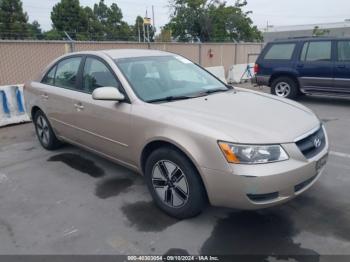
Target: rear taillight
x=256, y=68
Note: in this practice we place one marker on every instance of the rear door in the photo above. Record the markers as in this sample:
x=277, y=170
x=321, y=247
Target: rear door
x=61, y=86
x=103, y=126
x=342, y=67
x=315, y=66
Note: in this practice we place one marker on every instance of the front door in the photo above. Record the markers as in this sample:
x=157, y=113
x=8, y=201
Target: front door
x=315, y=67
x=103, y=126
x=342, y=67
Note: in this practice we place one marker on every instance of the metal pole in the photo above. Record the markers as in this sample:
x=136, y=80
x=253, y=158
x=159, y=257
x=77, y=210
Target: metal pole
x=154, y=23
x=200, y=53
x=138, y=29
x=235, y=58
x=148, y=26
x=144, y=33
x=71, y=42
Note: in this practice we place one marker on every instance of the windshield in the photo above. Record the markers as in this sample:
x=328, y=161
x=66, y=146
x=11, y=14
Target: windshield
x=158, y=78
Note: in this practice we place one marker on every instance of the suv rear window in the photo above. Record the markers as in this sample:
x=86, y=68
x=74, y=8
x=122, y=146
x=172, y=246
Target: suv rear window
x=280, y=52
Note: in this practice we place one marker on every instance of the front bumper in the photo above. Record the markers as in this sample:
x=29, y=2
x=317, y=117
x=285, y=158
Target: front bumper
x=264, y=185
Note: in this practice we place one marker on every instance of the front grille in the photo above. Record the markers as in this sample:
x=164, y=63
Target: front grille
x=313, y=144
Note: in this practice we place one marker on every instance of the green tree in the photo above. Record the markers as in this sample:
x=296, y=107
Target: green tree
x=111, y=22
x=211, y=20
x=138, y=29
x=95, y=28
x=13, y=21
x=117, y=29
x=188, y=19
x=53, y=34
x=68, y=16
x=35, y=31
x=164, y=36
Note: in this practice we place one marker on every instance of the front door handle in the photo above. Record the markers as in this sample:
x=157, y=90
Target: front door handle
x=79, y=107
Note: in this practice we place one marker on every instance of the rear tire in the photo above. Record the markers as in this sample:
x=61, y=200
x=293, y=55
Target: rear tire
x=174, y=183
x=285, y=87
x=44, y=132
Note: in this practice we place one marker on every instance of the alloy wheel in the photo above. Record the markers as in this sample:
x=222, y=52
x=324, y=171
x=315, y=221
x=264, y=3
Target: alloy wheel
x=170, y=183
x=43, y=130
x=282, y=89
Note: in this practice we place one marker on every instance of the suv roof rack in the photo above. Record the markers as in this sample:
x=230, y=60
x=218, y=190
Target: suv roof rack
x=305, y=37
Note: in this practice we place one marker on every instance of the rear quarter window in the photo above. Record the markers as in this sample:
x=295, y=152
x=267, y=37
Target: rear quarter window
x=49, y=78
x=280, y=52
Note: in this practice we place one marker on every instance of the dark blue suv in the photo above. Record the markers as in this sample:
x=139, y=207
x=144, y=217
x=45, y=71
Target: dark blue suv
x=298, y=66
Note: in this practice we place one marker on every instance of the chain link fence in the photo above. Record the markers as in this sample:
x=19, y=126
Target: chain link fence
x=21, y=61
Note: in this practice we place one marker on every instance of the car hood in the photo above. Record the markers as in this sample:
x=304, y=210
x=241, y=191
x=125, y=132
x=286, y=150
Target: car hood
x=245, y=116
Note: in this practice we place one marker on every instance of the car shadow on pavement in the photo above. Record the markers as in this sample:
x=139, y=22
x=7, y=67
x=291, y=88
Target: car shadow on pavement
x=259, y=234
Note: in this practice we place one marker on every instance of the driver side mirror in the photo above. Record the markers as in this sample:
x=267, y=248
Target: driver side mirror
x=108, y=93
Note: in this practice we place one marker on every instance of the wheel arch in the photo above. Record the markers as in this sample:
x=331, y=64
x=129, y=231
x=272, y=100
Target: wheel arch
x=161, y=142
x=34, y=110
x=291, y=75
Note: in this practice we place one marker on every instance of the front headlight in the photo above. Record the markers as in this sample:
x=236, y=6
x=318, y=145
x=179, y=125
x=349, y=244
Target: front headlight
x=252, y=154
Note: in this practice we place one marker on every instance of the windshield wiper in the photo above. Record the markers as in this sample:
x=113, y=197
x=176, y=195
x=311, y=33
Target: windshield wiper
x=169, y=99
x=199, y=94
x=211, y=91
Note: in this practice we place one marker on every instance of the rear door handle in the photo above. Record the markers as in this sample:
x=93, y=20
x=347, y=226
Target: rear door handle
x=79, y=106
x=300, y=65
x=341, y=66
x=44, y=96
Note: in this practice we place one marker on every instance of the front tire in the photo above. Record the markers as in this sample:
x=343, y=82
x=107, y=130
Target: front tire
x=285, y=87
x=174, y=183
x=44, y=132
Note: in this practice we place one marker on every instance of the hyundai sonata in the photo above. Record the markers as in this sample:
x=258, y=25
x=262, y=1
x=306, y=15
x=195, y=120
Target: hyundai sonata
x=195, y=139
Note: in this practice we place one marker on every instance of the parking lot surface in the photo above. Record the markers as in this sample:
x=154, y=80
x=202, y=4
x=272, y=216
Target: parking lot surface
x=73, y=202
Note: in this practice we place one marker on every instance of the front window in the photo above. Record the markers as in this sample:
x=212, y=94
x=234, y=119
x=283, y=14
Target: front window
x=96, y=74
x=49, y=79
x=344, y=51
x=158, y=78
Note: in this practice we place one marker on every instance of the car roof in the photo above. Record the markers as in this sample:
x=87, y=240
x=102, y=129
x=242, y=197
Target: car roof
x=302, y=39
x=125, y=53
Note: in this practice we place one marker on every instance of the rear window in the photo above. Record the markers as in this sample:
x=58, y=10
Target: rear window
x=280, y=52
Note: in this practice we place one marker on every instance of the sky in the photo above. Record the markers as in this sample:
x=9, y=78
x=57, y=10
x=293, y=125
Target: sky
x=273, y=12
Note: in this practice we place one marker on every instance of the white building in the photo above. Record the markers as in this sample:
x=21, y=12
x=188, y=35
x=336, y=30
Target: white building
x=339, y=29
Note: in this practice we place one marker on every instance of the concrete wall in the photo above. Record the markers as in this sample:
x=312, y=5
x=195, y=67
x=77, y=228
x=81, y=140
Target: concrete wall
x=23, y=60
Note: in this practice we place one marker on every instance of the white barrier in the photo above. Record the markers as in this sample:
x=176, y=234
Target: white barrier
x=12, y=107
x=240, y=72
x=218, y=71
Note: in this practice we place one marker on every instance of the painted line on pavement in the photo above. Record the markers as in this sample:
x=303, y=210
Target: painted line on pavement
x=334, y=153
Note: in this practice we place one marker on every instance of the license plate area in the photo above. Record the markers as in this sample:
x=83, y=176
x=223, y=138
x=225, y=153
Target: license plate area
x=321, y=163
